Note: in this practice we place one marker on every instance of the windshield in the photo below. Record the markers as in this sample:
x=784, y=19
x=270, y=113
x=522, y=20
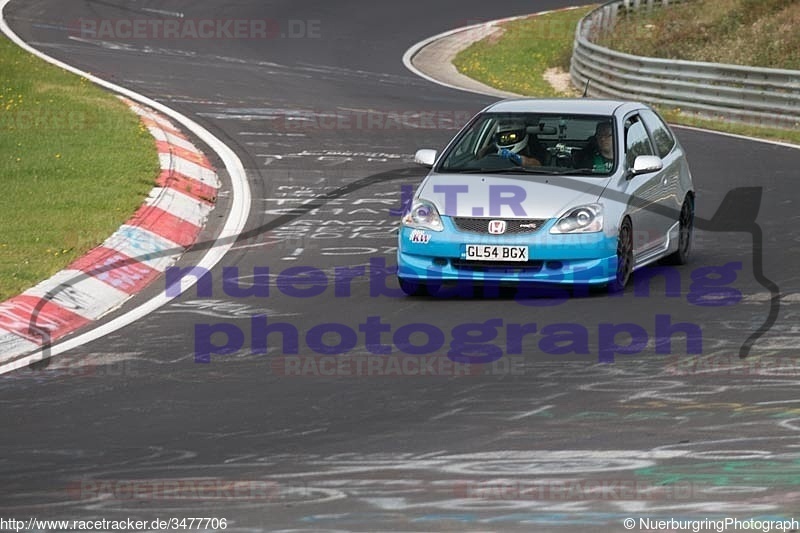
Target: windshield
x=535, y=143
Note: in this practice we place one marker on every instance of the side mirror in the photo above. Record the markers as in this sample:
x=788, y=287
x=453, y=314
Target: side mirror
x=644, y=164
x=425, y=157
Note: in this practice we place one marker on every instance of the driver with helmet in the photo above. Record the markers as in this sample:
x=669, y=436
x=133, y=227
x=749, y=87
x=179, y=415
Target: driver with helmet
x=515, y=144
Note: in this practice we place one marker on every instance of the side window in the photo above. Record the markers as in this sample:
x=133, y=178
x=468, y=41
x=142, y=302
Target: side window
x=466, y=145
x=660, y=132
x=637, y=142
x=466, y=148
x=483, y=139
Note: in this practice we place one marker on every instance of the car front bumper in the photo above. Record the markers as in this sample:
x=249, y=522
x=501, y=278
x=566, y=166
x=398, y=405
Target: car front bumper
x=440, y=257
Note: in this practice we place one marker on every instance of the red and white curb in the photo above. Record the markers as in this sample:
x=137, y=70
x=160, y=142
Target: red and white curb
x=159, y=232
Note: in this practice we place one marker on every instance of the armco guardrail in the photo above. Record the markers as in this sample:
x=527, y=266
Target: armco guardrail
x=769, y=97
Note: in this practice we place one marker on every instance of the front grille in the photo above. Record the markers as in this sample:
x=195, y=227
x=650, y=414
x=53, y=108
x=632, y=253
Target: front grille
x=495, y=266
x=513, y=225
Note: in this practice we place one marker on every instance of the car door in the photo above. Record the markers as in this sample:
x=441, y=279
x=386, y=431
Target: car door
x=645, y=192
x=671, y=156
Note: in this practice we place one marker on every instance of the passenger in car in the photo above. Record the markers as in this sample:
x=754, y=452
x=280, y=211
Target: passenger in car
x=599, y=152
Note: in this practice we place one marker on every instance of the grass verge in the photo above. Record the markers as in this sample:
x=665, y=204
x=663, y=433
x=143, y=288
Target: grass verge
x=761, y=33
x=76, y=163
x=518, y=59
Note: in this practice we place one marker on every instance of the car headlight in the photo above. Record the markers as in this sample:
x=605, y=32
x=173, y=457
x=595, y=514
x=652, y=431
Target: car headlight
x=423, y=215
x=583, y=219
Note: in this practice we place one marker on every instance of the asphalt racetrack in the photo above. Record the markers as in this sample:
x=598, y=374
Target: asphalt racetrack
x=193, y=412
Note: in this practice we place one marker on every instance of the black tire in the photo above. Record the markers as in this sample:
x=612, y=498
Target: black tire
x=624, y=257
x=685, y=231
x=417, y=288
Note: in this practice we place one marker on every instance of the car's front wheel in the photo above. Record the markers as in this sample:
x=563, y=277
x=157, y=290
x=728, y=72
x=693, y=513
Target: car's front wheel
x=417, y=288
x=685, y=229
x=624, y=257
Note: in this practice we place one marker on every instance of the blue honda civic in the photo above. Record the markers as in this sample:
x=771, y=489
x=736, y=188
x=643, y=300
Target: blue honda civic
x=561, y=191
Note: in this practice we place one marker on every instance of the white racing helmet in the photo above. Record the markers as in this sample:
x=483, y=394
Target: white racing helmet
x=511, y=135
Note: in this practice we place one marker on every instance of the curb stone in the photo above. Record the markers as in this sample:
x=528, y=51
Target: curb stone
x=159, y=232
x=433, y=57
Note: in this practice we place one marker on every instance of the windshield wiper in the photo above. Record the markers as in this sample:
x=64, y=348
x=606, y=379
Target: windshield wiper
x=578, y=171
x=467, y=170
x=530, y=170
x=508, y=170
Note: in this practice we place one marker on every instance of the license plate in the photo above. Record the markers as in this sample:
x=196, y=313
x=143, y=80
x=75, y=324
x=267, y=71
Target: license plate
x=481, y=252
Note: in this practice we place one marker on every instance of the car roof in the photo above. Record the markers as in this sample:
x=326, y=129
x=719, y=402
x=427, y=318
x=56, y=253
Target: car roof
x=589, y=106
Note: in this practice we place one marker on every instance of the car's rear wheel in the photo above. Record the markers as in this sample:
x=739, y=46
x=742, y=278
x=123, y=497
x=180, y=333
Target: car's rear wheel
x=418, y=288
x=685, y=230
x=624, y=257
